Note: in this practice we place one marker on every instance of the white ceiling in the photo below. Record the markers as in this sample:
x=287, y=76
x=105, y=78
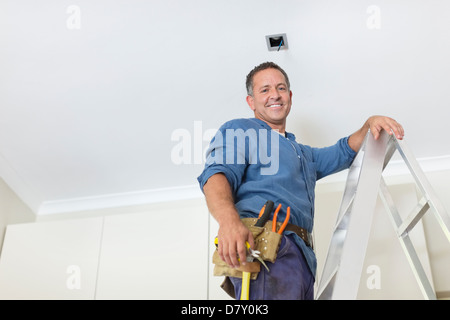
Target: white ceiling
x=91, y=117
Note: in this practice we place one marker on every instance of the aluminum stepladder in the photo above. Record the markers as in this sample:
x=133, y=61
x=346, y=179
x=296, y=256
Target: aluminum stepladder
x=345, y=258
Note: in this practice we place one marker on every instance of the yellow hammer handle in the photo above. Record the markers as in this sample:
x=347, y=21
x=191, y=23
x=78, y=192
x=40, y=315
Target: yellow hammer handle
x=245, y=290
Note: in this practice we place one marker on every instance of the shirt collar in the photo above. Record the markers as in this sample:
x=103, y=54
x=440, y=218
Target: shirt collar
x=288, y=135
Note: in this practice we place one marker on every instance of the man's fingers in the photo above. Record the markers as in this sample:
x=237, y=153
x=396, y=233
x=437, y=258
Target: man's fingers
x=375, y=131
x=250, y=240
x=394, y=128
x=232, y=243
x=223, y=251
x=388, y=124
x=242, y=253
x=398, y=131
x=230, y=252
x=234, y=262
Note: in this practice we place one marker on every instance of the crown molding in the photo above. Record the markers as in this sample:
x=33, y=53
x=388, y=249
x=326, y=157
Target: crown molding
x=120, y=200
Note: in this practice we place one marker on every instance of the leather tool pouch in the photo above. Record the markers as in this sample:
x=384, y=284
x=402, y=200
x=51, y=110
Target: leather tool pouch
x=267, y=243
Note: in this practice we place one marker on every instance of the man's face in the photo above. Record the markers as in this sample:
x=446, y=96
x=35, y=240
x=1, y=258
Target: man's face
x=271, y=100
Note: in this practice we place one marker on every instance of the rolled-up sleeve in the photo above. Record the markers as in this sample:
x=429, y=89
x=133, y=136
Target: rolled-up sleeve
x=224, y=157
x=334, y=158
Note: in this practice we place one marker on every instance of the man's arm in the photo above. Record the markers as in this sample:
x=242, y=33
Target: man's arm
x=232, y=232
x=375, y=124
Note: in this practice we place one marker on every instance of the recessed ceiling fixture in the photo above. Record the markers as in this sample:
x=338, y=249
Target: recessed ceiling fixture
x=277, y=42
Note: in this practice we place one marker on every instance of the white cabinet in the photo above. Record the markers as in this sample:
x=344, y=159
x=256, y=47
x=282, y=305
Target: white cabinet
x=50, y=260
x=215, y=291
x=149, y=255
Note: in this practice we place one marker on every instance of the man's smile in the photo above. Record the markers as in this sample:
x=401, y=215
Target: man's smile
x=274, y=105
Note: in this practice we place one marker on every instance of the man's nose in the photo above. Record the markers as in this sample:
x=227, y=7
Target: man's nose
x=275, y=94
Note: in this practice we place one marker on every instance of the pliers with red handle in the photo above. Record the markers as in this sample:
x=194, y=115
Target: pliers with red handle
x=285, y=222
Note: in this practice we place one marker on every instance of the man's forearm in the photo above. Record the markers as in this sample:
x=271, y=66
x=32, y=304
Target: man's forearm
x=232, y=232
x=356, y=139
x=219, y=198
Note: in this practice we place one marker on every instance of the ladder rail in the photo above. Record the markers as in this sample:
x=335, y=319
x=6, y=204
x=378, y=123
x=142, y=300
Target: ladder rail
x=340, y=229
x=357, y=228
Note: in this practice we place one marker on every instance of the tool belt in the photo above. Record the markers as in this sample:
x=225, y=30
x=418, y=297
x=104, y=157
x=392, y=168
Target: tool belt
x=267, y=243
x=302, y=233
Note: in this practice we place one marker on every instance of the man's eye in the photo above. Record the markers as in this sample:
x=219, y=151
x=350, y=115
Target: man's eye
x=282, y=88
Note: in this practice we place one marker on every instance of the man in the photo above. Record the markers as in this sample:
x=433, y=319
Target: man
x=236, y=186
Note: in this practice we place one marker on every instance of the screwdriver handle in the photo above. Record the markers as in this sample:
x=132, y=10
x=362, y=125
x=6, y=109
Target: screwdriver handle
x=266, y=215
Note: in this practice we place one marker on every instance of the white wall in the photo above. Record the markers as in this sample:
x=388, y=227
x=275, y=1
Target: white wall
x=12, y=209
x=438, y=245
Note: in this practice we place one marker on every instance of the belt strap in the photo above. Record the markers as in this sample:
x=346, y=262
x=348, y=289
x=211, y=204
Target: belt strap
x=301, y=232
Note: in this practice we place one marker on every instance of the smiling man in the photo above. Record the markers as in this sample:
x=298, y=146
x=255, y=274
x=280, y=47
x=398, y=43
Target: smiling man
x=269, y=95
x=237, y=190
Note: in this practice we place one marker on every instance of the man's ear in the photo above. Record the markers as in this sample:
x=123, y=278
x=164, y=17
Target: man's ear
x=250, y=102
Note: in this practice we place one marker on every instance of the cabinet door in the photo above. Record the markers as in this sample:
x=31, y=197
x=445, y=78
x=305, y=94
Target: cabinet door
x=215, y=291
x=50, y=260
x=155, y=255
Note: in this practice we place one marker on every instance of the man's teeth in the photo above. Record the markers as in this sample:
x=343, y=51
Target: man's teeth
x=275, y=105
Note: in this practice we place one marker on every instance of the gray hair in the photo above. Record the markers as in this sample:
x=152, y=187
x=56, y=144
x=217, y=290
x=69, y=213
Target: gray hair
x=264, y=66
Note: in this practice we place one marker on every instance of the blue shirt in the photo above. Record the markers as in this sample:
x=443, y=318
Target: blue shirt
x=260, y=164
